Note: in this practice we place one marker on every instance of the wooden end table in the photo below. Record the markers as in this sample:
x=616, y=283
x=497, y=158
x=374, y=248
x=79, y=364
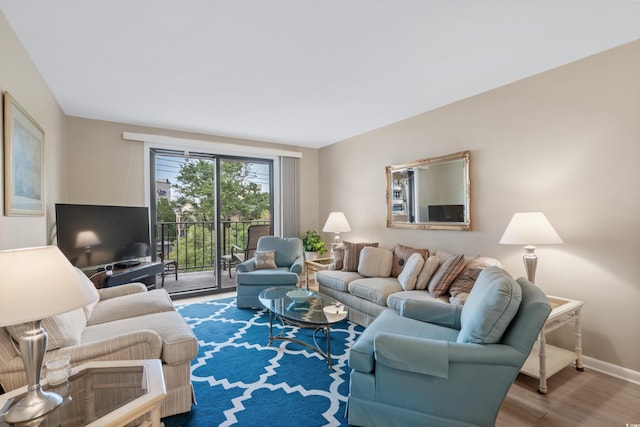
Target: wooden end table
x=315, y=265
x=112, y=393
x=546, y=360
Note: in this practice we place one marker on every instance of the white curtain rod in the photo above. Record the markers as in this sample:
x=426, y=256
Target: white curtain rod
x=222, y=147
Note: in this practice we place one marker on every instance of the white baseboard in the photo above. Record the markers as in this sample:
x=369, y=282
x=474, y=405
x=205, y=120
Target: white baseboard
x=611, y=369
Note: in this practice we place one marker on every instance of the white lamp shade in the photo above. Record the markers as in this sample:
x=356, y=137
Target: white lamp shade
x=336, y=223
x=87, y=238
x=36, y=283
x=530, y=228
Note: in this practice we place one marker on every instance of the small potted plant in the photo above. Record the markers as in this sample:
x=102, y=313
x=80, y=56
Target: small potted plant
x=312, y=245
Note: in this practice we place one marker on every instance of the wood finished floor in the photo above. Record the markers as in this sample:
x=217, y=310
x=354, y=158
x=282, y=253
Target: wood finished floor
x=584, y=399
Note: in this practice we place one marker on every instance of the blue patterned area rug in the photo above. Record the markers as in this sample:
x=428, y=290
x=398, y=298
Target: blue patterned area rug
x=240, y=380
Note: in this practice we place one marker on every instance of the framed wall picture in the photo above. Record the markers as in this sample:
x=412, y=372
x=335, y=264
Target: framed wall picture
x=23, y=161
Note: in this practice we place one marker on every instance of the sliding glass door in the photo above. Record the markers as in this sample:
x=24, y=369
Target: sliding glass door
x=202, y=205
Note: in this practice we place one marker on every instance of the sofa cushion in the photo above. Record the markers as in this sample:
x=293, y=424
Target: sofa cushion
x=409, y=274
x=395, y=300
x=352, y=255
x=375, y=262
x=401, y=255
x=375, y=289
x=265, y=259
x=430, y=266
x=490, y=307
x=337, y=280
x=445, y=275
x=132, y=305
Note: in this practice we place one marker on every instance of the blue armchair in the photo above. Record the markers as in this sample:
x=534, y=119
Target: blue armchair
x=288, y=263
x=436, y=364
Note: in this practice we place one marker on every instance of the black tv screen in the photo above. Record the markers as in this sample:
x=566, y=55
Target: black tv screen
x=93, y=235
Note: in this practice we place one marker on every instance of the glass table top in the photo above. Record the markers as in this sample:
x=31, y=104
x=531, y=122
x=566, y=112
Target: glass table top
x=89, y=395
x=293, y=304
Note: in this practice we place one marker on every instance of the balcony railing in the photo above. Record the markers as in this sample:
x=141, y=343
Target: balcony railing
x=193, y=244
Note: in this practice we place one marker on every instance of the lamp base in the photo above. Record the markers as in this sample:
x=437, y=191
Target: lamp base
x=35, y=404
x=530, y=262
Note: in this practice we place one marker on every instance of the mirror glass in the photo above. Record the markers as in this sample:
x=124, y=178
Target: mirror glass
x=430, y=193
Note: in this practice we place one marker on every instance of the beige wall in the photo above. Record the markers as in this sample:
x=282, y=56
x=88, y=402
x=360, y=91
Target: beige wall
x=106, y=169
x=21, y=79
x=565, y=142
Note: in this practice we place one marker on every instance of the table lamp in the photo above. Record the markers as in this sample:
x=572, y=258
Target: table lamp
x=37, y=283
x=530, y=228
x=336, y=223
x=86, y=239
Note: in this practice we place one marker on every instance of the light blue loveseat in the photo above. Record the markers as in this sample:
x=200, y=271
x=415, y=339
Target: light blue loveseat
x=437, y=364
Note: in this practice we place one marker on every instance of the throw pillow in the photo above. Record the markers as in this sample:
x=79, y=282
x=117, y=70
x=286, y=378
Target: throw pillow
x=352, y=255
x=64, y=329
x=401, y=255
x=490, y=307
x=409, y=274
x=431, y=264
x=265, y=260
x=338, y=258
x=445, y=275
x=464, y=282
x=375, y=262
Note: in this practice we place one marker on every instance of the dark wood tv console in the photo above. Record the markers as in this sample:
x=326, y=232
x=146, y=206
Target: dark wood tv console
x=145, y=272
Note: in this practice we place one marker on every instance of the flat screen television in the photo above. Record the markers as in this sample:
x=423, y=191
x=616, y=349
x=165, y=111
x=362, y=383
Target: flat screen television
x=92, y=236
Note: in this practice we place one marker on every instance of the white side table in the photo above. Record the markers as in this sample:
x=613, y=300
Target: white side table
x=546, y=360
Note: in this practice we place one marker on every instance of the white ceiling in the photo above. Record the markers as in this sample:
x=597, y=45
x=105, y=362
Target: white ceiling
x=299, y=72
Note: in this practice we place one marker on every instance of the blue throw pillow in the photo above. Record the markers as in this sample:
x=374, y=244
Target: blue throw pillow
x=490, y=307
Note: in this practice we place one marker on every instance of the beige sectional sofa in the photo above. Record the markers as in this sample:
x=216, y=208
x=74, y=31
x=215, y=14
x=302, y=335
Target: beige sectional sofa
x=126, y=323
x=369, y=279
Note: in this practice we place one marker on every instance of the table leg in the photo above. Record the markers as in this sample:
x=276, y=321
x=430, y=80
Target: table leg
x=578, y=335
x=542, y=357
x=329, y=346
x=270, y=327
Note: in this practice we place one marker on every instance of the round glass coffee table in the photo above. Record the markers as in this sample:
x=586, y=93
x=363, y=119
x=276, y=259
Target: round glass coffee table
x=302, y=308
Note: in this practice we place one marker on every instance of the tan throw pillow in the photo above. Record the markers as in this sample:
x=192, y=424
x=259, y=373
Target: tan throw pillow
x=338, y=258
x=465, y=280
x=352, y=255
x=410, y=272
x=375, y=262
x=430, y=266
x=265, y=260
x=445, y=275
x=64, y=329
x=401, y=255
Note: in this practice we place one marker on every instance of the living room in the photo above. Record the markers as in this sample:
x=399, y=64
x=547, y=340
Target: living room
x=564, y=142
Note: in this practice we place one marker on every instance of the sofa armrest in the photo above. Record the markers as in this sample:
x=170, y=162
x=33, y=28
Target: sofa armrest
x=432, y=312
x=247, y=266
x=297, y=266
x=121, y=290
x=435, y=357
x=143, y=344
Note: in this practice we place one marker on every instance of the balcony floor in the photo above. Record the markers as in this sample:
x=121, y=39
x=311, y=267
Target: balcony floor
x=197, y=282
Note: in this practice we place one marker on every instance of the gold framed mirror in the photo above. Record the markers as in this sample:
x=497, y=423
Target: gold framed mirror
x=432, y=193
